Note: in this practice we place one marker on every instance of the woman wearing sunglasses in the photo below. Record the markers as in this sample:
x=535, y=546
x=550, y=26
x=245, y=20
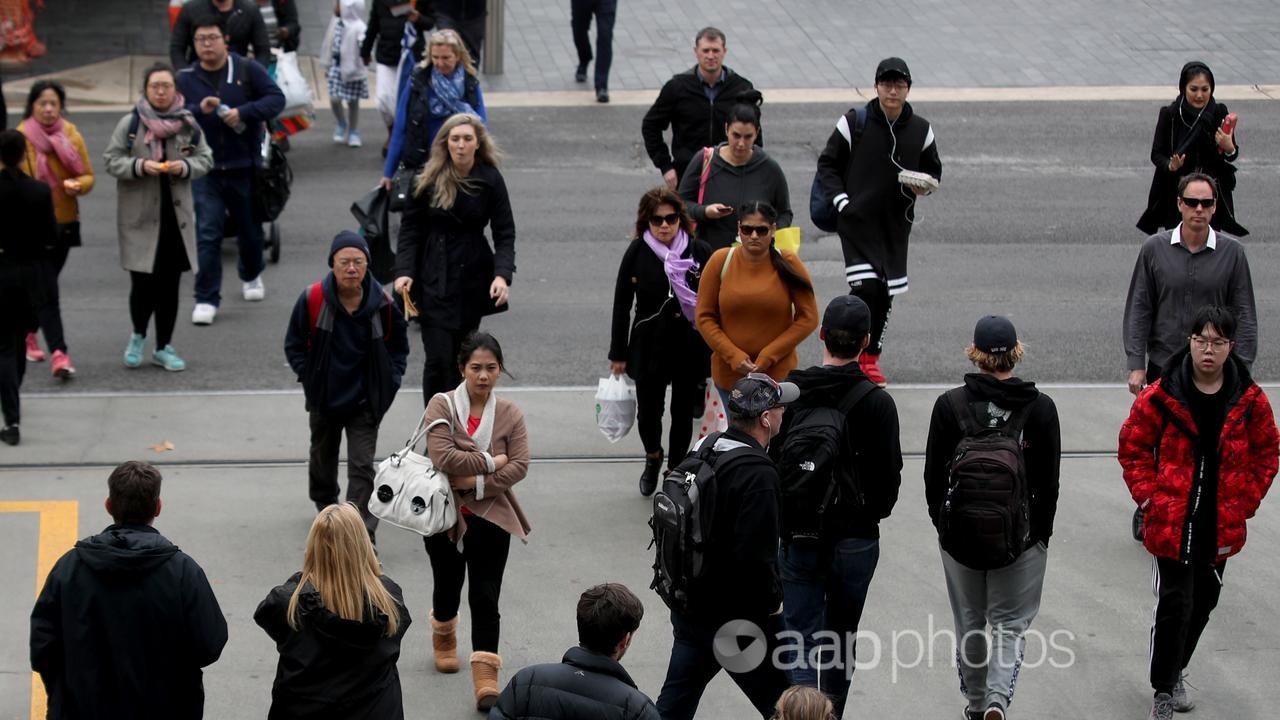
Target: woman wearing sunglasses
x=755, y=303
x=658, y=346
x=1191, y=137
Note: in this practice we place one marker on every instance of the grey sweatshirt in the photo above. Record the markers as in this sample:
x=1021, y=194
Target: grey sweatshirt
x=760, y=179
x=1170, y=283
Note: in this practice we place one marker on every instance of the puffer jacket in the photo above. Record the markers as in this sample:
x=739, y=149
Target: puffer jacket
x=1160, y=456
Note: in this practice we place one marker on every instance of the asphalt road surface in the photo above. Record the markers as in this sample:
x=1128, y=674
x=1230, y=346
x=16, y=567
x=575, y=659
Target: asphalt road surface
x=1035, y=219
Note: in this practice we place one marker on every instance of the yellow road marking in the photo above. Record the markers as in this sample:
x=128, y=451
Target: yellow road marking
x=59, y=526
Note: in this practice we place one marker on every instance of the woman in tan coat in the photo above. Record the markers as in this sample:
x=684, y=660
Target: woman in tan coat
x=155, y=152
x=485, y=451
x=56, y=156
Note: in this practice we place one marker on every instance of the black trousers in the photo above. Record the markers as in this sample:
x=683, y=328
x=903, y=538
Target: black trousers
x=606, y=12
x=361, y=428
x=50, y=313
x=13, y=365
x=650, y=404
x=484, y=557
x=875, y=293
x=154, y=294
x=1186, y=594
x=694, y=665
x=440, y=365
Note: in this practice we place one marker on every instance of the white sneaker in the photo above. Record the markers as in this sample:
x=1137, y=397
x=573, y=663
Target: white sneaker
x=253, y=290
x=203, y=314
x=353, y=140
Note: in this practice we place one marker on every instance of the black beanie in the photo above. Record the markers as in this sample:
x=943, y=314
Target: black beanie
x=348, y=239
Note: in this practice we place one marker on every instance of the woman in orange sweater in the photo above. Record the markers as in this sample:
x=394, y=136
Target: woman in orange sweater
x=755, y=303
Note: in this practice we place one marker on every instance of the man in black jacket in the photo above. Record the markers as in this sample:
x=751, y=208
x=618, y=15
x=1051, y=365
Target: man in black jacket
x=348, y=345
x=241, y=20
x=695, y=104
x=739, y=594
x=1006, y=598
x=126, y=620
x=830, y=548
x=859, y=171
x=589, y=683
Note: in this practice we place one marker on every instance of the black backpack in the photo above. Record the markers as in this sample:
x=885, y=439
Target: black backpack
x=814, y=476
x=985, y=520
x=683, y=509
x=821, y=211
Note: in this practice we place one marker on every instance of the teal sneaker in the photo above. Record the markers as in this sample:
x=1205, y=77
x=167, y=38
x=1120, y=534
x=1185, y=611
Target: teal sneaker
x=168, y=359
x=133, y=352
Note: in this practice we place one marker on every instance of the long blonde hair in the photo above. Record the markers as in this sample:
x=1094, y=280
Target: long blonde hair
x=450, y=39
x=439, y=170
x=340, y=564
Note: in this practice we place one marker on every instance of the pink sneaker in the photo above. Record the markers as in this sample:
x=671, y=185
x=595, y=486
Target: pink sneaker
x=62, y=367
x=34, y=353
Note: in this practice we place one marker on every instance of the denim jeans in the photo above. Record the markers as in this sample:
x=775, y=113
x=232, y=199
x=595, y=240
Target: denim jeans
x=220, y=194
x=824, y=588
x=694, y=664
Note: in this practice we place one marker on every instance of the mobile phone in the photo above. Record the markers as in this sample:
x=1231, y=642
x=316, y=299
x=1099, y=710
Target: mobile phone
x=1229, y=123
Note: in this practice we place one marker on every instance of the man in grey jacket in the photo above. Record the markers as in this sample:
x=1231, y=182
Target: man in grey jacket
x=1179, y=271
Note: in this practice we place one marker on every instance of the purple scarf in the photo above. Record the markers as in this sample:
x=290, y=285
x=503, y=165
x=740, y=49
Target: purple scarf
x=677, y=269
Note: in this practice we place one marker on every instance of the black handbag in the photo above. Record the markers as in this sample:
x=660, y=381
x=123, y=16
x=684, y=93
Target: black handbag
x=375, y=227
x=401, y=189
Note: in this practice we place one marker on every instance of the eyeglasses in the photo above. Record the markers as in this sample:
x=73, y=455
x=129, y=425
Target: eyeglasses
x=206, y=39
x=753, y=230
x=1215, y=344
x=658, y=220
x=899, y=85
x=1205, y=203
x=350, y=262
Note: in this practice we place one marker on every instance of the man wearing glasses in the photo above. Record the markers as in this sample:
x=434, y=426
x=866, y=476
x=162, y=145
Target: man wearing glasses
x=1178, y=271
x=863, y=172
x=348, y=345
x=1199, y=451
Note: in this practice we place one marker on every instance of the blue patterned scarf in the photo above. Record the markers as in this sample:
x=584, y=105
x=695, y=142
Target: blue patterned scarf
x=447, y=91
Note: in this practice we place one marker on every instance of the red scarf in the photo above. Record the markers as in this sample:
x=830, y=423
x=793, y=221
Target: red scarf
x=52, y=140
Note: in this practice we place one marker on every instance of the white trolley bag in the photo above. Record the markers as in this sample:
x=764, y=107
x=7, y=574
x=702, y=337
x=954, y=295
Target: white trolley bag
x=410, y=493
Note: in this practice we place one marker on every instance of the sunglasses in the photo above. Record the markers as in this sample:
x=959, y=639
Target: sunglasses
x=1198, y=202
x=672, y=219
x=756, y=230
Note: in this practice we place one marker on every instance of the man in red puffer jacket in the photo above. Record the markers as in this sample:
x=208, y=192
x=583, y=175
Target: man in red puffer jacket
x=1199, y=451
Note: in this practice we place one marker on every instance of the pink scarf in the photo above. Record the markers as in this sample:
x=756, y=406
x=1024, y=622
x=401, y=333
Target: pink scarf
x=53, y=140
x=163, y=125
x=677, y=269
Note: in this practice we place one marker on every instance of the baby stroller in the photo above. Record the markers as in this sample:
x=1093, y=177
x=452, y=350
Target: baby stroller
x=271, y=188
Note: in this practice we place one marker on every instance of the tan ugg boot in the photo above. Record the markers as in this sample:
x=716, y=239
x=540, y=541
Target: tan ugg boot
x=444, y=641
x=484, y=673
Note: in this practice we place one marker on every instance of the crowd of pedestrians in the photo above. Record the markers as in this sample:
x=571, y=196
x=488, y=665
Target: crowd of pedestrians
x=794, y=488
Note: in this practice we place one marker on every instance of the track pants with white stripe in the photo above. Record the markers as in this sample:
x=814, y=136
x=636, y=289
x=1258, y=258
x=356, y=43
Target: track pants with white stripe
x=1185, y=595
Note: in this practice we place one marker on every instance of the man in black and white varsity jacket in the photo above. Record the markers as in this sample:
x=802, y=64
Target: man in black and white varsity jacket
x=859, y=170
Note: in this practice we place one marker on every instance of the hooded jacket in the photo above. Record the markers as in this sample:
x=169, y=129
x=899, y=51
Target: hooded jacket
x=122, y=628
x=761, y=178
x=349, y=366
x=583, y=686
x=871, y=446
x=331, y=668
x=244, y=86
x=695, y=121
x=1161, y=457
x=1041, y=444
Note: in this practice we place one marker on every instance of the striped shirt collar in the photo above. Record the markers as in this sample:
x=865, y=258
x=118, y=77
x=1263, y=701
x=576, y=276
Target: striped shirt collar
x=1176, y=239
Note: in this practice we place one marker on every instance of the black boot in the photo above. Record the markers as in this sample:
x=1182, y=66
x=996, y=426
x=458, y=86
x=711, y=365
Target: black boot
x=649, y=478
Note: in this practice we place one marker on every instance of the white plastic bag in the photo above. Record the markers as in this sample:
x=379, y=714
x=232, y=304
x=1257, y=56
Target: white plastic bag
x=615, y=407
x=298, y=99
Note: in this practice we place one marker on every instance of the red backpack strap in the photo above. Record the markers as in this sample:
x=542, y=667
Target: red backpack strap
x=315, y=300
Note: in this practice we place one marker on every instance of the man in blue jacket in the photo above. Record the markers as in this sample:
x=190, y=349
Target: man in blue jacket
x=348, y=345
x=231, y=98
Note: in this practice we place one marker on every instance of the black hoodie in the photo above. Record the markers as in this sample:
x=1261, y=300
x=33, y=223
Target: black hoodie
x=871, y=443
x=1041, y=442
x=122, y=628
x=331, y=668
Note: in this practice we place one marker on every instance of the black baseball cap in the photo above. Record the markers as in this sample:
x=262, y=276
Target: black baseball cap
x=757, y=393
x=847, y=313
x=892, y=68
x=994, y=334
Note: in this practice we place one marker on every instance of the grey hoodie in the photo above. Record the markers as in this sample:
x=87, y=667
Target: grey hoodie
x=760, y=179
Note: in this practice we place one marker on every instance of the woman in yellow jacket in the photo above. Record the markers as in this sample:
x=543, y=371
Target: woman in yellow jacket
x=56, y=156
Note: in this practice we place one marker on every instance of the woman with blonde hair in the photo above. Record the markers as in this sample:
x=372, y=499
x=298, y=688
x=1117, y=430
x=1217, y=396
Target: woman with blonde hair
x=444, y=259
x=799, y=702
x=444, y=84
x=338, y=626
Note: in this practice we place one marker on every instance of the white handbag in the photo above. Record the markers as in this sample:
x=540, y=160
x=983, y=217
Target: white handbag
x=409, y=492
